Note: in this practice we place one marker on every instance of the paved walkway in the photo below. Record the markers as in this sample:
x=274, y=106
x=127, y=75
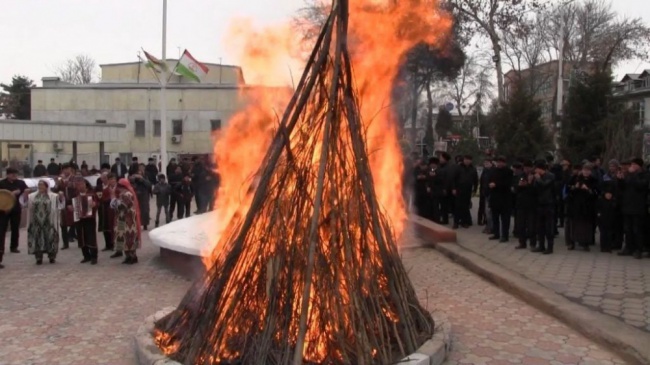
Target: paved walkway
x=75, y=314
x=614, y=285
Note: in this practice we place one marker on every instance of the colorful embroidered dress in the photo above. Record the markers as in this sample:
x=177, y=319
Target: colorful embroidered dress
x=127, y=227
x=43, y=229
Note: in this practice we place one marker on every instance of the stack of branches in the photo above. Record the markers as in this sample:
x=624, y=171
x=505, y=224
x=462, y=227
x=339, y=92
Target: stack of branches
x=311, y=273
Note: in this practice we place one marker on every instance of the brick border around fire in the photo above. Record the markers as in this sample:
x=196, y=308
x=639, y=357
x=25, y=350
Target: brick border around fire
x=432, y=352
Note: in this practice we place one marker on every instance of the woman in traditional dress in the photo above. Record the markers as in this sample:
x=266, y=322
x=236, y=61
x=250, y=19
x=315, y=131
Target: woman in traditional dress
x=127, y=231
x=43, y=212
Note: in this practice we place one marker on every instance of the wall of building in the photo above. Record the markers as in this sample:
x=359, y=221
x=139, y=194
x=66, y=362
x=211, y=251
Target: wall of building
x=196, y=107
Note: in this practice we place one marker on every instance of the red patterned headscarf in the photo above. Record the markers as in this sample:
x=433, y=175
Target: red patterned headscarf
x=124, y=183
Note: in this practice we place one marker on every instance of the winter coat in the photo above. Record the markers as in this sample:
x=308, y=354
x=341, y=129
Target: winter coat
x=545, y=189
x=634, y=191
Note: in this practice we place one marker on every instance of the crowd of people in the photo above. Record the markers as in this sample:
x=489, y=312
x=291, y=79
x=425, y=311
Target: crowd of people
x=118, y=205
x=541, y=197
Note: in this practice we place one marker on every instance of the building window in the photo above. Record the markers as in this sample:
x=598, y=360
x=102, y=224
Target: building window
x=215, y=125
x=156, y=128
x=100, y=121
x=638, y=107
x=177, y=127
x=139, y=128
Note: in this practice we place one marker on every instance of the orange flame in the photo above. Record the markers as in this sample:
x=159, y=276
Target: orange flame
x=381, y=32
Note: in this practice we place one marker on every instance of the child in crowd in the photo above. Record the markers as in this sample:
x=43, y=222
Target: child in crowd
x=162, y=190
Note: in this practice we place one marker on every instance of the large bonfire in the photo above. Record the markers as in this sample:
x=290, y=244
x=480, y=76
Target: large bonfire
x=307, y=269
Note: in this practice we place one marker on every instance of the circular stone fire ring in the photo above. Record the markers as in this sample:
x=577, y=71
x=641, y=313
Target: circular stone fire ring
x=432, y=352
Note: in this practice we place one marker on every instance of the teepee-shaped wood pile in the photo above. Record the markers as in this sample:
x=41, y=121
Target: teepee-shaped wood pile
x=311, y=274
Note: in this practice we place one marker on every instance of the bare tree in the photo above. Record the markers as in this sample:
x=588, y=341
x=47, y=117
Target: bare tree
x=591, y=31
x=492, y=19
x=79, y=70
x=472, y=86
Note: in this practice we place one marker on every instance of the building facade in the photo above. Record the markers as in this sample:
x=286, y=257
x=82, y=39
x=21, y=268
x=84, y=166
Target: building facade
x=634, y=91
x=129, y=94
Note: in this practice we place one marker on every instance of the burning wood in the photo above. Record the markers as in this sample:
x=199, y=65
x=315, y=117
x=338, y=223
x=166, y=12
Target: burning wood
x=311, y=273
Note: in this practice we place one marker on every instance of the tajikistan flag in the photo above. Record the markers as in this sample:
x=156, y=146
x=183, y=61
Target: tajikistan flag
x=189, y=67
x=154, y=63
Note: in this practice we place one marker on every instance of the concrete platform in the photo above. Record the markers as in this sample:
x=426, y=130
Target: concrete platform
x=432, y=231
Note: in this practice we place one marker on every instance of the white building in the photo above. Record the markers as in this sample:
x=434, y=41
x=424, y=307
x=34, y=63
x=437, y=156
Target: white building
x=128, y=95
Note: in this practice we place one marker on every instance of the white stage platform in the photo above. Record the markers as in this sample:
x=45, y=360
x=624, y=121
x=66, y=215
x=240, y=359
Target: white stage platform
x=188, y=236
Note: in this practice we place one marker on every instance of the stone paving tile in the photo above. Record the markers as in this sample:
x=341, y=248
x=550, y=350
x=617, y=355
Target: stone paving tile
x=610, y=284
x=490, y=326
x=74, y=314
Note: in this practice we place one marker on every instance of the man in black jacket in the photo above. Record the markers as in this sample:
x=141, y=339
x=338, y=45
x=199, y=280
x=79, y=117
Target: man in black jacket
x=501, y=200
x=40, y=170
x=151, y=171
x=434, y=190
x=119, y=169
x=526, y=206
x=544, y=184
x=53, y=169
x=634, y=192
x=134, y=168
x=465, y=183
x=12, y=217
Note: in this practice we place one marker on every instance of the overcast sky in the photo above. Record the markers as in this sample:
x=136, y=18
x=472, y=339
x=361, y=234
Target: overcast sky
x=38, y=35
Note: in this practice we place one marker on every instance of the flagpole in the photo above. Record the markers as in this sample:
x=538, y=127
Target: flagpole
x=163, y=97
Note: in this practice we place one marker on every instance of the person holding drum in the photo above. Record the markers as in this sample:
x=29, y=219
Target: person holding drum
x=10, y=212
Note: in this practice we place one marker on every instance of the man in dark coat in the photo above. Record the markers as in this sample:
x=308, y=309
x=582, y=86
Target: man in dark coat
x=465, y=183
x=446, y=173
x=119, y=169
x=544, y=184
x=40, y=170
x=134, y=169
x=435, y=187
x=634, y=192
x=526, y=201
x=53, y=169
x=151, y=172
x=421, y=197
x=613, y=219
x=501, y=200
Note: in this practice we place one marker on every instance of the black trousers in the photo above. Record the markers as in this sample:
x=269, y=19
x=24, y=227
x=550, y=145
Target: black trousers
x=65, y=236
x=87, y=235
x=526, y=225
x=481, y=218
x=433, y=213
x=172, y=206
x=559, y=212
x=11, y=219
x=501, y=221
x=634, y=232
x=463, y=202
x=184, y=209
x=546, y=227
x=198, y=198
x=108, y=239
x=445, y=206
x=607, y=233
